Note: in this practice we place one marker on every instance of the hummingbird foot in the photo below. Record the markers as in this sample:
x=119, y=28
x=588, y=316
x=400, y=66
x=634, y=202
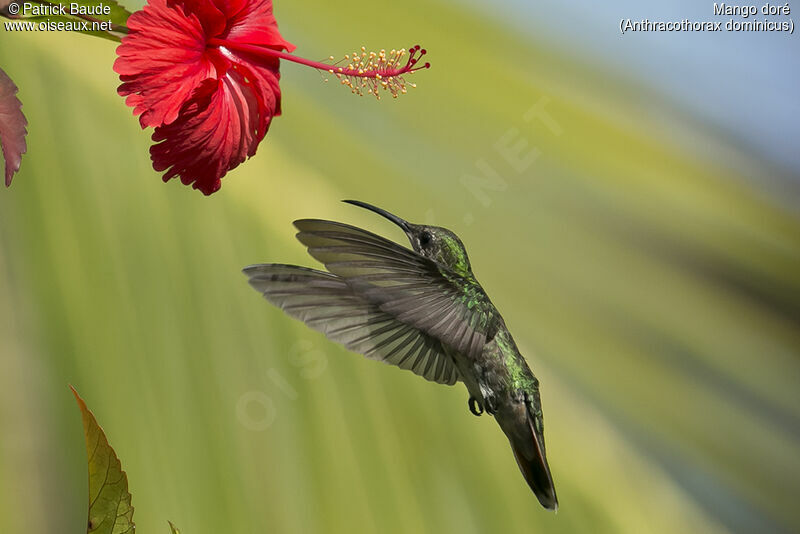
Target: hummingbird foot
x=489, y=400
x=491, y=408
x=475, y=407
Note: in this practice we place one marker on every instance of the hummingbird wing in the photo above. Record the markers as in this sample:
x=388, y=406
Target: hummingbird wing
x=417, y=291
x=329, y=305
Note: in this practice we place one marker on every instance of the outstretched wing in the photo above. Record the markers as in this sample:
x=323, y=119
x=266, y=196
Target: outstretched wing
x=413, y=289
x=328, y=304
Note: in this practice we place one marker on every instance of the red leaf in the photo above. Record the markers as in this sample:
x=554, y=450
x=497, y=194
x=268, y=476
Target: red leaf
x=12, y=126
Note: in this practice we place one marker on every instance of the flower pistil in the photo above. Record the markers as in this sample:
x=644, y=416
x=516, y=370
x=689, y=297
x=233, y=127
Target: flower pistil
x=370, y=71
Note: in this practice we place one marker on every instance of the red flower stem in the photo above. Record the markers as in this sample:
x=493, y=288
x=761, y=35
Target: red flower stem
x=356, y=73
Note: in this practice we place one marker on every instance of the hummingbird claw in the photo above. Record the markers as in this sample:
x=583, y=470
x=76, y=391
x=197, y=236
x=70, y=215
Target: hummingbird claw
x=475, y=407
x=491, y=405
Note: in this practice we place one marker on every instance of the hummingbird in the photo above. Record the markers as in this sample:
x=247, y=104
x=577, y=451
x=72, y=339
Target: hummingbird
x=420, y=309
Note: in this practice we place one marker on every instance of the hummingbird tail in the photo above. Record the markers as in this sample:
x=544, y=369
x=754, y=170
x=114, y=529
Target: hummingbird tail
x=528, y=447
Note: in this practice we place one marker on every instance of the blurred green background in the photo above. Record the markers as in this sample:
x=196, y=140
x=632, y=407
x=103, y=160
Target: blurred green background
x=648, y=266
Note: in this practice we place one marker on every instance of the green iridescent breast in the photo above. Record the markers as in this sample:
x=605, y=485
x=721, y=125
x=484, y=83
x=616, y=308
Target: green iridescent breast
x=451, y=252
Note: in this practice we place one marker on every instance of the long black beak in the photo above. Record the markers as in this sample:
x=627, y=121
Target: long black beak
x=405, y=225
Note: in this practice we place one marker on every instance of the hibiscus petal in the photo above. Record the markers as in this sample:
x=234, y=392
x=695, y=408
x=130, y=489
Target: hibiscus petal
x=12, y=126
x=213, y=19
x=266, y=78
x=164, y=59
x=252, y=22
x=218, y=128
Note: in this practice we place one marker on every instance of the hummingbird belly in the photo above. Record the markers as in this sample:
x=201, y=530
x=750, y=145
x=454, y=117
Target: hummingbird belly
x=478, y=378
x=467, y=372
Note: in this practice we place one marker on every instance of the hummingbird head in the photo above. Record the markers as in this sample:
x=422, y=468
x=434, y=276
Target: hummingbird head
x=433, y=242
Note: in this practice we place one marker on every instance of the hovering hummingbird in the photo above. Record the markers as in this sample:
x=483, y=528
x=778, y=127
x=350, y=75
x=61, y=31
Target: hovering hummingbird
x=421, y=310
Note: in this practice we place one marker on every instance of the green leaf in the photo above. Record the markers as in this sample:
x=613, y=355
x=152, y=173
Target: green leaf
x=110, y=510
x=173, y=528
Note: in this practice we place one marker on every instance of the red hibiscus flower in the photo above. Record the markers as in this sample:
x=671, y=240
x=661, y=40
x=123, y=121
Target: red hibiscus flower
x=210, y=106
x=204, y=74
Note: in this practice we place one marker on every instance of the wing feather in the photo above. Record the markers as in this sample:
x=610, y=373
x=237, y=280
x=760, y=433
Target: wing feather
x=325, y=302
x=402, y=283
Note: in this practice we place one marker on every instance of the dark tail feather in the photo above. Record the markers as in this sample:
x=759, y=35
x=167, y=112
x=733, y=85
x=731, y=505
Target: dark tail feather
x=528, y=447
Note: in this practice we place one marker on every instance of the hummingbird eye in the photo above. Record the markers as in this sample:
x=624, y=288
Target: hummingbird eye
x=425, y=238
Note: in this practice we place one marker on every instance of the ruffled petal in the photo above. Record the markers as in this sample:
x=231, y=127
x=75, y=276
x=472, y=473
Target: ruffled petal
x=252, y=22
x=218, y=128
x=164, y=59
